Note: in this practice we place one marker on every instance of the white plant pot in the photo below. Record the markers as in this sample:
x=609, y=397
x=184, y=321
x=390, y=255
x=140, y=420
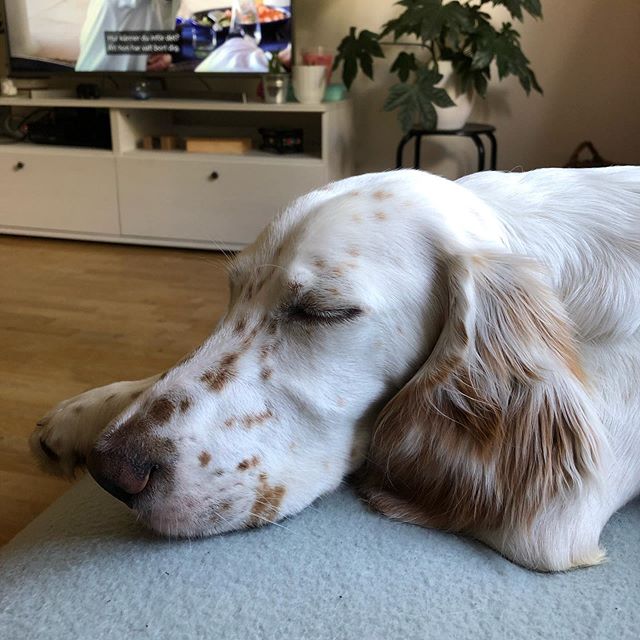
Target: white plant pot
x=453, y=117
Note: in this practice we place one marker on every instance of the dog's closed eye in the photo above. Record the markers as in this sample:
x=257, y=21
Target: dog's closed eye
x=318, y=315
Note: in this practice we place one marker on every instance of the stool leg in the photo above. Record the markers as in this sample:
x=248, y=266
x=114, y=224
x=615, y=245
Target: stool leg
x=480, y=147
x=494, y=150
x=416, y=151
x=400, y=149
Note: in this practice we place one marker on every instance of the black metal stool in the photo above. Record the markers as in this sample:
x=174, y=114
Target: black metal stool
x=470, y=130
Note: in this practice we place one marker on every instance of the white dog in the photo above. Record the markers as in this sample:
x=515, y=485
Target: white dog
x=471, y=347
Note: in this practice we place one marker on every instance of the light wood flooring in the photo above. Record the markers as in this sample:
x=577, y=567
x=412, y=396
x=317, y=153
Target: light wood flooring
x=76, y=315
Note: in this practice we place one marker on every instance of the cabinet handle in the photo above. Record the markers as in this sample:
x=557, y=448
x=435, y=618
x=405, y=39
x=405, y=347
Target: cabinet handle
x=214, y=175
x=18, y=165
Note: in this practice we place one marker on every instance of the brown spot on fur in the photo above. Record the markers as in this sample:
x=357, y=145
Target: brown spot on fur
x=248, y=340
x=354, y=193
x=263, y=477
x=241, y=325
x=205, y=458
x=294, y=287
x=185, y=403
x=252, y=419
x=254, y=332
x=265, y=350
x=218, y=377
x=267, y=503
x=225, y=505
x=161, y=410
x=337, y=272
x=354, y=252
x=380, y=215
x=230, y=422
x=249, y=463
x=381, y=195
x=272, y=328
x=266, y=373
x=319, y=263
x=219, y=472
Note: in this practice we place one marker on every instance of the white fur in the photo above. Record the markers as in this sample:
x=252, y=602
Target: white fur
x=385, y=234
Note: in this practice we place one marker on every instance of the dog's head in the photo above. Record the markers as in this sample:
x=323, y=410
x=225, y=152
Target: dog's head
x=333, y=309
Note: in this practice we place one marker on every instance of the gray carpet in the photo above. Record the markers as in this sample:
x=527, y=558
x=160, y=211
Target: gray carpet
x=85, y=569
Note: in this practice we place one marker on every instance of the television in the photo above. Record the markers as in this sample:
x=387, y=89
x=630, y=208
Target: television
x=147, y=36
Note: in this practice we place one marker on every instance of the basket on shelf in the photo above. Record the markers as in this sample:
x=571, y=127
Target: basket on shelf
x=596, y=160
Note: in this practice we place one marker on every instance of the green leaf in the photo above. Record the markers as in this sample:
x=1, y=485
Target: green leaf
x=415, y=101
x=398, y=95
x=428, y=20
x=403, y=65
x=510, y=59
x=515, y=7
x=357, y=50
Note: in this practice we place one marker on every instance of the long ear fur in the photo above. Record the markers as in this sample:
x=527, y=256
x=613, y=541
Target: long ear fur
x=497, y=422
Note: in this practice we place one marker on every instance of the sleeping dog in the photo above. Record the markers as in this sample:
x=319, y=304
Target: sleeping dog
x=469, y=352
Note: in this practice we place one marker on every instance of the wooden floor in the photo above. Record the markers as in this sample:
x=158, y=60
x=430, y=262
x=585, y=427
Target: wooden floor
x=75, y=315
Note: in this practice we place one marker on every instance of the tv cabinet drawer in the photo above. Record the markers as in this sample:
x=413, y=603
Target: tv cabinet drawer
x=221, y=199
x=58, y=189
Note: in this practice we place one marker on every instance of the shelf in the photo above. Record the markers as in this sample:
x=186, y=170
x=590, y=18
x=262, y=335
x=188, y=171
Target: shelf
x=176, y=104
x=172, y=198
x=255, y=155
x=53, y=149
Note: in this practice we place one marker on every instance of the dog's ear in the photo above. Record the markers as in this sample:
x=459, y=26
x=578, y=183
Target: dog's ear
x=497, y=421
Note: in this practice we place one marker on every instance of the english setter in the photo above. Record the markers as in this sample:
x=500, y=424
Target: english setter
x=470, y=348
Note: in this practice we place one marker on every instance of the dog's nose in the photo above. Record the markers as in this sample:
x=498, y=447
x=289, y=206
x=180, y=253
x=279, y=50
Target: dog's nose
x=120, y=473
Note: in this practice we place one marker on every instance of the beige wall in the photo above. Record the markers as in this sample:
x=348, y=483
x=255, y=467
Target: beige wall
x=586, y=55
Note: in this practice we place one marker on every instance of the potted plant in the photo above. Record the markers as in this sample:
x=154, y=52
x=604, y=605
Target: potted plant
x=276, y=81
x=437, y=39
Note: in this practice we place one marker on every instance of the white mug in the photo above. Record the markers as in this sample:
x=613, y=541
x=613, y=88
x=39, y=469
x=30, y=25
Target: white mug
x=309, y=83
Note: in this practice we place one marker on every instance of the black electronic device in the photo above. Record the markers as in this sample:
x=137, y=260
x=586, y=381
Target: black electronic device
x=154, y=38
x=71, y=127
x=282, y=140
x=88, y=91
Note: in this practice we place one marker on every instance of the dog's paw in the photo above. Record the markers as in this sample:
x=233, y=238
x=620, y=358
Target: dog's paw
x=64, y=437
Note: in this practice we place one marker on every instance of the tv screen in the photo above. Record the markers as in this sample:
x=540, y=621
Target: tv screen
x=142, y=36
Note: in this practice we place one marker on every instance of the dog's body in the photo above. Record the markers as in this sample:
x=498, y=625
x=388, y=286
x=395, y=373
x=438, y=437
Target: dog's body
x=472, y=347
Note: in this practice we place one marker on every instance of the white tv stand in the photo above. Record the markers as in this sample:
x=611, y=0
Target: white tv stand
x=172, y=198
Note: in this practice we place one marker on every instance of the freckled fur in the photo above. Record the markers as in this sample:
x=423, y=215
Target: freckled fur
x=218, y=377
x=252, y=419
x=248, y=463
x=204, y=458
